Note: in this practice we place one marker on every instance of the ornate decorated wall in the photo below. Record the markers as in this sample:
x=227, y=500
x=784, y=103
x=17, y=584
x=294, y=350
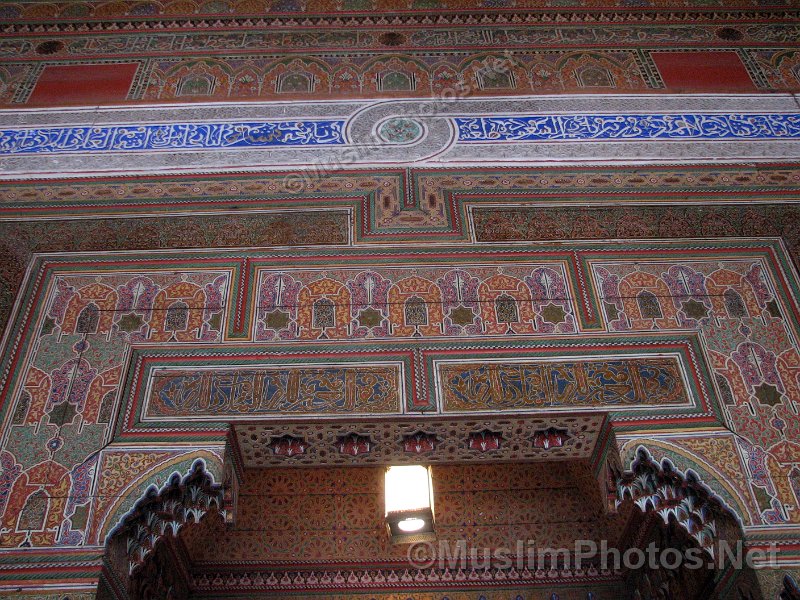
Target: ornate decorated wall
x=550, y=249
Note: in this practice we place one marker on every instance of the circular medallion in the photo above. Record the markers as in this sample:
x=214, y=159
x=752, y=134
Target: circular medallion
x=400, y=130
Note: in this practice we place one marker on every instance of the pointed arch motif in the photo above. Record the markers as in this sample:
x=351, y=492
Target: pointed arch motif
x=491, y=72
x=415, y=312
x=295, y=82
x=35, y=503
x=662, y=489
x=324, y=310
x=90, y=310
x=640, y=293
x=734, y=304
x=178, y=313
x=412, y=301
x=594, y=76
x=177, y=318
x=34, y=512
x=513, y=312
x=88, y=319
x=140, y=558
x=396, y=81
x=160, y=513
x=395, y=74
x=731, y=294
x=205, y=78
x=296, y=75
x=196, y=85
x=323, y=314
x=505, y=309
x=649, y=306
x=592, y=69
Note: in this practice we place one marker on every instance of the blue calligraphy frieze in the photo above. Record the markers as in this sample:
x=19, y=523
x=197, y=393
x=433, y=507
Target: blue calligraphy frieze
x=546, y=128
x=172, y=137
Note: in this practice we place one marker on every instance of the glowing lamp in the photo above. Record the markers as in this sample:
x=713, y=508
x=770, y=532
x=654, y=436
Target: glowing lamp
x=409, y=504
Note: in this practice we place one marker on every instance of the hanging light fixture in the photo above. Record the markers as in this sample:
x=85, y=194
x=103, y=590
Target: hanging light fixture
x=409, y=504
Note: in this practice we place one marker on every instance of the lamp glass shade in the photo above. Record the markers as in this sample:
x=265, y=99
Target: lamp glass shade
x=408, y=488
x=409, y=504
